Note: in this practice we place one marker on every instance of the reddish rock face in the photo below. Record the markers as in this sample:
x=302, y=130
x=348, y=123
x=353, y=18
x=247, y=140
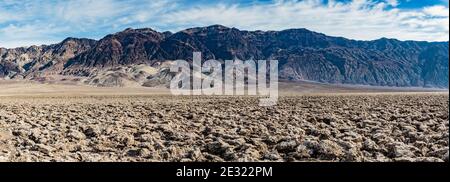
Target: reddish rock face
x=303, y=55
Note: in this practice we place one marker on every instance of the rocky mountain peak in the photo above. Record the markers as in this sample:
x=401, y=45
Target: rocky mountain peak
x=140, y=30
x=302, y=55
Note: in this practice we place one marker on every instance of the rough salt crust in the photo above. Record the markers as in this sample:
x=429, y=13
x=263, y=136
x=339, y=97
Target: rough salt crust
x=342, y=127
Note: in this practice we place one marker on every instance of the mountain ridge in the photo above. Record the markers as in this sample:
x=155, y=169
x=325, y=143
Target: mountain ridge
x=303, y=55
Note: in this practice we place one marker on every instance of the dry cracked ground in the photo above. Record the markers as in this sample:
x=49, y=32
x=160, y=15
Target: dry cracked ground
x=339, y=127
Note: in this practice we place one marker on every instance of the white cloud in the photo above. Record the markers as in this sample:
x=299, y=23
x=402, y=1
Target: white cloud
x=436, y=11
x=28, y=22
x=84, y=11
x=32, y=34
x=360, y=19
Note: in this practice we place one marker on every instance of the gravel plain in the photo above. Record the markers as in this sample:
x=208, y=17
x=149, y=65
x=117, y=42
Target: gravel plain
x=385, y=127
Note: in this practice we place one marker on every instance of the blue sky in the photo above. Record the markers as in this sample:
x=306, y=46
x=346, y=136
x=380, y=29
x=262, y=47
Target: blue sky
x=33, y=22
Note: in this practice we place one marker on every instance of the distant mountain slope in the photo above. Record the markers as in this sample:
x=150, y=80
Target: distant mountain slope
x=303, y=55
x=41, y=60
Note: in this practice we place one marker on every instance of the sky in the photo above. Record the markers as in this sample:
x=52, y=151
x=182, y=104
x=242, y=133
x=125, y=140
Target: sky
x=37, y=22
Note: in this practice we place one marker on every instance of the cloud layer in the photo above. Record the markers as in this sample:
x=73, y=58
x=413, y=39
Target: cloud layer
x=31, y=22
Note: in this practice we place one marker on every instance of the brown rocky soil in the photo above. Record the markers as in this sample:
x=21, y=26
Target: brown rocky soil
x=327, y=127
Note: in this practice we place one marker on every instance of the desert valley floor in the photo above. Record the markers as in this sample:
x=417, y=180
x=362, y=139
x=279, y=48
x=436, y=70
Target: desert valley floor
x=76, y=123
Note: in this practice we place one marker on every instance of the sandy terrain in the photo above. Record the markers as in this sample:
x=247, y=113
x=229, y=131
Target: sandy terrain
x=72, y=123
x=28, y=88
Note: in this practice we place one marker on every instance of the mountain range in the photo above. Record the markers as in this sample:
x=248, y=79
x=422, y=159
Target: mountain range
x=140, y=57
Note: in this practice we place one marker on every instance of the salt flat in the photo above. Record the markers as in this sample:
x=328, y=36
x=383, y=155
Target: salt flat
x=79, y=123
